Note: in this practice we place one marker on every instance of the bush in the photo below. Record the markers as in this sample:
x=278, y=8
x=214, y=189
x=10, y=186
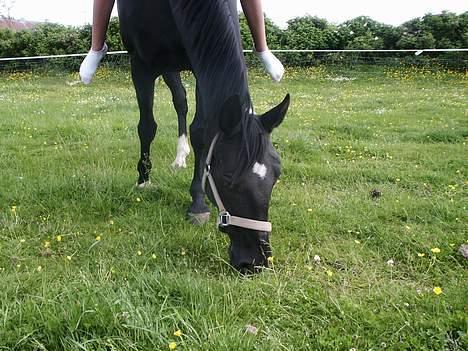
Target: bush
x=446, y=30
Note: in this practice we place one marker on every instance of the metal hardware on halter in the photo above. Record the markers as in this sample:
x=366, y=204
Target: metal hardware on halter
x=225, y=219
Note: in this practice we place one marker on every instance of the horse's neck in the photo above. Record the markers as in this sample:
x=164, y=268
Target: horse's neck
x=210, y=33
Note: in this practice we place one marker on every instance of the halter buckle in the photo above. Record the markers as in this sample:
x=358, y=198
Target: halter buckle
x=224, y=219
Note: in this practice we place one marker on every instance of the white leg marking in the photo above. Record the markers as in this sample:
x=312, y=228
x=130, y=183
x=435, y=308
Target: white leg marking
x=183, y=149
x=260, y=170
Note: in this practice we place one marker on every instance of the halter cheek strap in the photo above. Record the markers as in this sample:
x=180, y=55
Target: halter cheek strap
x=225, y=219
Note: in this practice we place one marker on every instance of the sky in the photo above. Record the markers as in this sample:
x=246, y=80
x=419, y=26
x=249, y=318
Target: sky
x=395, y=12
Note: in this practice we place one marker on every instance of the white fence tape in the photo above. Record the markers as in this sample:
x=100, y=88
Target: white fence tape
x=415, y=51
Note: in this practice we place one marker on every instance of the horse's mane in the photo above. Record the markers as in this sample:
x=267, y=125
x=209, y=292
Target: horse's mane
x=254, y=145
x=210, y=32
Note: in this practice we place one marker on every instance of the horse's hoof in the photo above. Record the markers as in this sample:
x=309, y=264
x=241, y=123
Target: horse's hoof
x=198, y=218
x=178, y=164
x=143, y=185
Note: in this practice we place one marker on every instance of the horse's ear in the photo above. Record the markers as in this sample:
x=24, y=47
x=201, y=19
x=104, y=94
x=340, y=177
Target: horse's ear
x=274, y=117
x=231, y=114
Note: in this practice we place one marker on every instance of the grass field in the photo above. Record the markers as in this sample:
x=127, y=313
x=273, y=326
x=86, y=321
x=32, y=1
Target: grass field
x=89, y=263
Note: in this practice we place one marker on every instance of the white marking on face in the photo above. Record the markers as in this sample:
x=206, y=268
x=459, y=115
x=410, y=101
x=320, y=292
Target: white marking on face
x=260, y=170
x=183, y=149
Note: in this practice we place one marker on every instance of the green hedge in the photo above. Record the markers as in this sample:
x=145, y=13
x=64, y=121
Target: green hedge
x=445, y=30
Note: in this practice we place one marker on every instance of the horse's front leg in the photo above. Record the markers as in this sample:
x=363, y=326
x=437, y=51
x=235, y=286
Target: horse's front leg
x=198, y=212
x=144, y=80
x=179, y=99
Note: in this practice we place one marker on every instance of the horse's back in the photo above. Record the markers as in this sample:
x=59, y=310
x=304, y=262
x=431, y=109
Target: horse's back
x=150, y=34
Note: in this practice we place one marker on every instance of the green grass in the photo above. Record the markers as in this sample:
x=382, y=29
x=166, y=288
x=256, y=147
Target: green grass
x=68, y=158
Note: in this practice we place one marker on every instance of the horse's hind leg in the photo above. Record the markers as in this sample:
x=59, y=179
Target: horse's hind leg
x=144, y=81
x=179, y=99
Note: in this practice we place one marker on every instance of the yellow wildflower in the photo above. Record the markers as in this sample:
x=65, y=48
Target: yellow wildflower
x=39, y=268
x=153, y=256
x=357, y=241
x=437, y=290
x=178, y=333
x=46, y=243
x=138, y=199
x=329, y=273
x=58, y=238
x=139, y=253
x=271, y=259
x=98, y=238
x=69, y=258
x=435, y=250
x=421, y=254
x=172, y=346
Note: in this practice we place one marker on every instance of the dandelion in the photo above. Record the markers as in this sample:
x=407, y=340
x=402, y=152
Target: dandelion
x=98, y=238
x=357, y=241
x=329, y=273
x=153, y=256
x=22, y=240
x=271, y=259
x=69, y=258
x=435, y=250
x=178, y=333
x=421, y=254
x=58, y=238
x=111, y=222
x=39, y=268
x=309, y=210
x=139, y=253
x=46, y=243
x=138, y=199
x=172, y=345
x=437, y=290
x=13, y=209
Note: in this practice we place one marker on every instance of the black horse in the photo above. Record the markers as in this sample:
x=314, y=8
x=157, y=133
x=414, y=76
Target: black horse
x=232, y=146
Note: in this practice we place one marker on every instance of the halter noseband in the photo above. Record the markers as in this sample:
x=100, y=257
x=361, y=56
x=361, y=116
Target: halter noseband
x=225, y=219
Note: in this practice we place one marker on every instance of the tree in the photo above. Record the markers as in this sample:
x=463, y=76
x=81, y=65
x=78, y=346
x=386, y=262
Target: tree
x=5, y=8
x=365, y=33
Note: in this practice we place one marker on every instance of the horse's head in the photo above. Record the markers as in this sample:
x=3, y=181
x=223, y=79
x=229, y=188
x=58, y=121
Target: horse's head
x=244, y=168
